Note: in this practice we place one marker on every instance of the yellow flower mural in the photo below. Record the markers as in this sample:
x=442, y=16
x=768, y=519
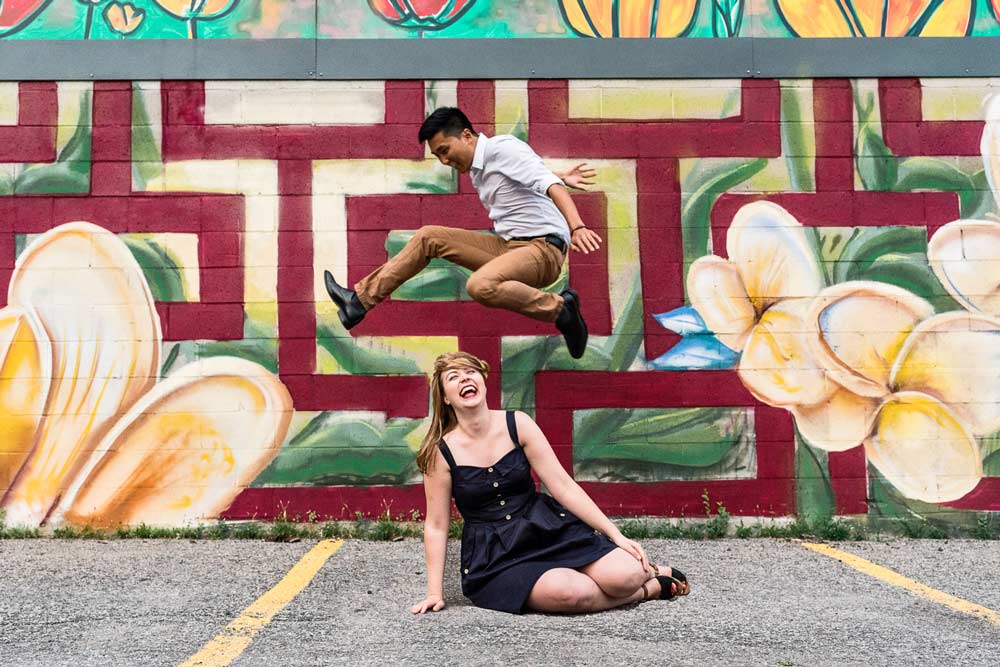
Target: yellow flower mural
x=875, y=18
x=754, y=302
x=93, y=439
x=965, y=254
x=859, y=362
x=903, y=380
x=629, y=18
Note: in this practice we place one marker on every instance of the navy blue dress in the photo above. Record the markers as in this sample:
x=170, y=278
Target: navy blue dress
x=513, y=534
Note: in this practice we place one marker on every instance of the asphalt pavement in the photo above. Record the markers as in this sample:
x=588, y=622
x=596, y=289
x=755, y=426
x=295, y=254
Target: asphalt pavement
x=754, y=602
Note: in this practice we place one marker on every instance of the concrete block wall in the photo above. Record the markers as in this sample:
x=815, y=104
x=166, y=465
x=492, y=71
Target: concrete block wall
x=793, y=311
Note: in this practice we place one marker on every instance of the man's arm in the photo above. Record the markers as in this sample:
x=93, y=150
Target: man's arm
x=581, y=238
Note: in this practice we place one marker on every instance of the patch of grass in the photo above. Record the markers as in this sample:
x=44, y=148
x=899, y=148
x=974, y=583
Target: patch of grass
x=336, y=530
x=145, y=532
x=833, y=530
x=250, y=530
x=635, y=529
x=192, y=533
x=91, y=533
x=665, y=530
x=718, y=525
x=285, y=530
x=220, y=530
x=985, y=528
x=19, y=533
x=924, y=530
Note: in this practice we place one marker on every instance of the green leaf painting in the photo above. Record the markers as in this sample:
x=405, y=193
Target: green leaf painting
x=893, y=255
x=936, y=174
x=813, y=491
x=877, y=167
x=339, y=448
x=357, y=359
x=649, y=445
x=705, y=188
x=161, y=269
x=70, y=173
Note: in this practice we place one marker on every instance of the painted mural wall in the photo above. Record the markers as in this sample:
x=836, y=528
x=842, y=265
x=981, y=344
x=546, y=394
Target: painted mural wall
x=323, y=19
x=795, y=311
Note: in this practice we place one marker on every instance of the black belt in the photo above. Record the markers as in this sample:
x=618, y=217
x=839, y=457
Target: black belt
x=552, y=239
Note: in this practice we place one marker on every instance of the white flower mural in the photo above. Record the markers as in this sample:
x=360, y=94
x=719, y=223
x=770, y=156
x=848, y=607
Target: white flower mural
x=91, y=437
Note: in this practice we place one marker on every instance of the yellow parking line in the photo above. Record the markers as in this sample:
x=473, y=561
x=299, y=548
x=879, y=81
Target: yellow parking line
x=915, y=587
x=235, y=637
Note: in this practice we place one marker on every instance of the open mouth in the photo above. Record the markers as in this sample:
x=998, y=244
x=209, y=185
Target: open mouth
x=467, y=391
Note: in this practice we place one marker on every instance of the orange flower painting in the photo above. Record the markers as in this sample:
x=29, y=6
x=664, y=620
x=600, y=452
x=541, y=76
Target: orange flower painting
x=875, y=18
x=629, y=18
x=123, y=18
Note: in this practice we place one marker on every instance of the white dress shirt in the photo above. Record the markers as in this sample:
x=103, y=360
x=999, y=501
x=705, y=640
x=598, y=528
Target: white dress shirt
x=512, y=181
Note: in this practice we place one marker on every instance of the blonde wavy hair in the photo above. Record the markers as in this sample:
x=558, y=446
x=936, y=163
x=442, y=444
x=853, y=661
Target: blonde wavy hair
x=443, y=415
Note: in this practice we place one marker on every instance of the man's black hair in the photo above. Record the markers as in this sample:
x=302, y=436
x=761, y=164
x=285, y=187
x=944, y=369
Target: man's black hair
x=449, y=120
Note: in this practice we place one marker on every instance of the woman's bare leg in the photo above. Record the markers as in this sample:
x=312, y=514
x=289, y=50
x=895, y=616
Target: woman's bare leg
x=619, y=574
x=562, y=590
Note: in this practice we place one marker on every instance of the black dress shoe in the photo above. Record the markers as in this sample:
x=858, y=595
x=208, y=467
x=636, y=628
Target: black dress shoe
x=350, y=311
x=570, y=323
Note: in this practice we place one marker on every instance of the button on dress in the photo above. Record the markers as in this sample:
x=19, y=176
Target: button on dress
x=513, y=534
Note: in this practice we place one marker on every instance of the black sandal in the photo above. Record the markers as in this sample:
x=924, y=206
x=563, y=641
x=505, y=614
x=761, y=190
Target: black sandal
x=667, y=581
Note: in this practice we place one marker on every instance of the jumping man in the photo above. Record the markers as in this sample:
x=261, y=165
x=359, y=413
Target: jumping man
x=534, y=220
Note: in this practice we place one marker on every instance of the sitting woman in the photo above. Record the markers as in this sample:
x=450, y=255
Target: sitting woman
x=521, y=549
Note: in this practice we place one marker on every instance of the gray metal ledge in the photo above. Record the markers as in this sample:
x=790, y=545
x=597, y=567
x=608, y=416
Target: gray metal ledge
x=497, y=58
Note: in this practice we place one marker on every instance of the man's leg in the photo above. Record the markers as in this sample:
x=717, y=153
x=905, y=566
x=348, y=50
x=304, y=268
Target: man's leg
x=513, y=279
x=464, y=247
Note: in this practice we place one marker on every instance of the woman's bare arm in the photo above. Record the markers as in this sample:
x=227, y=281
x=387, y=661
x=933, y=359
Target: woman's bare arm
x=437, y=490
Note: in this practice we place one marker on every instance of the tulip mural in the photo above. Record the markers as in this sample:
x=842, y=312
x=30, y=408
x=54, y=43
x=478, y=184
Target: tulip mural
x=91, y=437
x=123, y=19
x=420, y=14
x=195, y=11
x=16, y=14
x=873, y=18
x=388, y=19
x=630, y=18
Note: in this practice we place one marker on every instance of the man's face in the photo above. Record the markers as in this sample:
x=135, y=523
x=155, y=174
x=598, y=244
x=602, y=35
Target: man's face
x=455, y=152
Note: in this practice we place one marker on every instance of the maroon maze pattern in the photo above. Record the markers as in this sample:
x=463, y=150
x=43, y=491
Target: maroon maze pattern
x=656, y=148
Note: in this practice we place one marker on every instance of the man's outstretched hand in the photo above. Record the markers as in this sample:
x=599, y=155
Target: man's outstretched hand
x=584, y=240
x=579, y=176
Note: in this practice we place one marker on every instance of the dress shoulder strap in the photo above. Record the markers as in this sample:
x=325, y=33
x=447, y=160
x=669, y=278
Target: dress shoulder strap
x=512, y=428
x=443, y=446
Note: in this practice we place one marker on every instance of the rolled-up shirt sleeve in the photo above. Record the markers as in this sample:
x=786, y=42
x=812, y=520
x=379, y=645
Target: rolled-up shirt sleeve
x=515, y=160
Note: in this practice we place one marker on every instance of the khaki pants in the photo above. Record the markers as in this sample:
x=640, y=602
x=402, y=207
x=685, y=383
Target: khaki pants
x=507, y=274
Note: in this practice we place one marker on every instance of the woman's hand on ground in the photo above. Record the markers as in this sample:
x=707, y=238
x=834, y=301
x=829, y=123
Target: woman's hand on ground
x=633, y=549
x=429, y=603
